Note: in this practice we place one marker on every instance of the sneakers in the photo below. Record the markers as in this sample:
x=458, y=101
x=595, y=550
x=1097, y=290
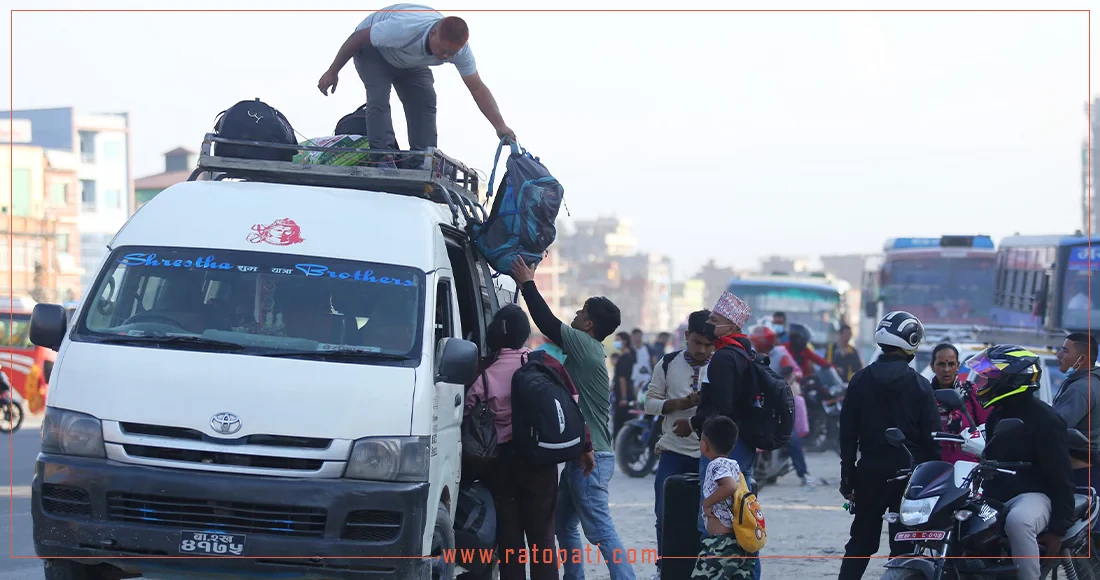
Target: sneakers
x=386, y=163
x=807, y=482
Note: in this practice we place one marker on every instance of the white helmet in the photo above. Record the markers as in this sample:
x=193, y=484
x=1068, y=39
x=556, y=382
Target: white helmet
x=900, y=329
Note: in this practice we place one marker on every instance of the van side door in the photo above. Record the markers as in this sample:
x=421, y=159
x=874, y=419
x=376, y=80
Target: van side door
x=446, y=446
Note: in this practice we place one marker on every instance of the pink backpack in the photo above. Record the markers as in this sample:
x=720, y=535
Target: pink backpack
x=801, y=421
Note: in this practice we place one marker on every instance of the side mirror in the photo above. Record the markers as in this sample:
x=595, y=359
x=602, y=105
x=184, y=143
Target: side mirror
x=457, y=362
x=1006, y=425
x=895, y=437
x=48, y=325
x=949, y=398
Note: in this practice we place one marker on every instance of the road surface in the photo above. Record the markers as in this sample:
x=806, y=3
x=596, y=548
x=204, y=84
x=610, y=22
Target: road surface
x=807, y=528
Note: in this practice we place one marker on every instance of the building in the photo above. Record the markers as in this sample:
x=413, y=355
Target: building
x=597, y=239
x=687, y=297
x=179, y=163
x=549, y=277
x=715, y=281
x=103, y=146
x=1087, y=180
x=785, y=265
x=40, y=241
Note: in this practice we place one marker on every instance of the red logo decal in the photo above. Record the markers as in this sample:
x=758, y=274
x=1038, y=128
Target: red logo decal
x=282, y=232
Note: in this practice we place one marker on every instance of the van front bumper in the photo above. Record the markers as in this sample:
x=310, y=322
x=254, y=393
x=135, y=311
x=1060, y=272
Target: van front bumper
x=106, y=512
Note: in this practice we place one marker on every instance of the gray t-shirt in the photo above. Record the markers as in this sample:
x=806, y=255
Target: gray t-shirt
x=402, y=38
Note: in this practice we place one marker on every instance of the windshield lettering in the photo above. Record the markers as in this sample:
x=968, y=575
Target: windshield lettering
x=142, y=259
x=316, y=270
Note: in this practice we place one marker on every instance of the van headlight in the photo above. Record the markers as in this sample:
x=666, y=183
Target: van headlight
x=915, y=512
x=71, y=433
x=390, y=459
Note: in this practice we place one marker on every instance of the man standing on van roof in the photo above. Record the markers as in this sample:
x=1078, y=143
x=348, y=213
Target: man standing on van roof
x=395, y=47
x=582, y=491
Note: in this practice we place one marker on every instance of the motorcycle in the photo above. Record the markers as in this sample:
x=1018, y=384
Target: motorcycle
x=11, y=412
x=824, y=393
x=635, y=445
x=771, y=465
x=959, y=534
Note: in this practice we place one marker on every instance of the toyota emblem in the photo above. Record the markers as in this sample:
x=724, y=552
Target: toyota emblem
x=225, y=423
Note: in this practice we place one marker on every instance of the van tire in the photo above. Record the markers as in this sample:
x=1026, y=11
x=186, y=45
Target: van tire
x=55, y=569
x=443, y=538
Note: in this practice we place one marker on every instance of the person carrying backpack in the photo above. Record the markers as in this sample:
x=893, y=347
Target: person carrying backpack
x=583, y=491
x=725, y=390
x=524, y=492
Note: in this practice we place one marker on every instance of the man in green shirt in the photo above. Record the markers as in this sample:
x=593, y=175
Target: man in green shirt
x=582, y=490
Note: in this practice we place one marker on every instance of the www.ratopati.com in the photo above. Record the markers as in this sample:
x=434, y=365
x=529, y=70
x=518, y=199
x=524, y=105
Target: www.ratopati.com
x=559, y=556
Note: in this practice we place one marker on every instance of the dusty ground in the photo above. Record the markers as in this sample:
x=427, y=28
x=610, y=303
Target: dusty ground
x=807, y=528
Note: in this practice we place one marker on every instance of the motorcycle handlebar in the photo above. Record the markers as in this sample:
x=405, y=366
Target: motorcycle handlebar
x=1006, y=464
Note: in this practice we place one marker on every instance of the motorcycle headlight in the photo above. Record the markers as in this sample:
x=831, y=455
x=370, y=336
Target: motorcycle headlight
x=915, y=512
x=390, y=459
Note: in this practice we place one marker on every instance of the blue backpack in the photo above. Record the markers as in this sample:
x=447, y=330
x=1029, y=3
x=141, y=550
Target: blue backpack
x=521, y=221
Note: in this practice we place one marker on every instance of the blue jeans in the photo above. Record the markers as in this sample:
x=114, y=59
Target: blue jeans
x=745, y=456
x=583, y=500
x=798, y=457
x=669, y=464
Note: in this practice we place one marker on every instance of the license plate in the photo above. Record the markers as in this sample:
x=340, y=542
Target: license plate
x=919, y=536
x=211, y=544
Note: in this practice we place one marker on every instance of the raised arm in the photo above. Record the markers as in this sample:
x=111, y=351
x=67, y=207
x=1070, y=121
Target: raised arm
x=357, y=40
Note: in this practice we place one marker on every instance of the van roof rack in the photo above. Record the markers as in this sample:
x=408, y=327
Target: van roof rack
x=439, y=177
x=996, y=335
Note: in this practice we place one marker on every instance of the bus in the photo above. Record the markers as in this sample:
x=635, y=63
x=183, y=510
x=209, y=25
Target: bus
x=815, y=300
x=1042, y=283
x=942, y=281
x=19, y=355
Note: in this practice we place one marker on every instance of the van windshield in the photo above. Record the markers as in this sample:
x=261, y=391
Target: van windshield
x=256, y=303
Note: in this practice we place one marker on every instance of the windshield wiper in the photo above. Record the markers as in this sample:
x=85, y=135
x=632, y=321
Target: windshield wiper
x=190, y=341
x=336, y=354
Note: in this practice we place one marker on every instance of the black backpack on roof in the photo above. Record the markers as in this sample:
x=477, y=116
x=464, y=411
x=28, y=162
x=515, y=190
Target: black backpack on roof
x=254, y=121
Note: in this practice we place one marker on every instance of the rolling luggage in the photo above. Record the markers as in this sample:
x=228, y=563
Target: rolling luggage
x=680, y=536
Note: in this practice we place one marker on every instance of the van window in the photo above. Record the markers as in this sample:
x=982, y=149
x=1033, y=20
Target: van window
x=444, y=321
x=263, y=302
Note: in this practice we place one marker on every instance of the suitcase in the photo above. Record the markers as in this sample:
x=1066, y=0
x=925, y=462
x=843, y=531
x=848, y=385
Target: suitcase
x=680, y=528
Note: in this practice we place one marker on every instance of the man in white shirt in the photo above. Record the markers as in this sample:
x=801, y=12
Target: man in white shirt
x=643, y=362
x=394, y=48
x=673, y=394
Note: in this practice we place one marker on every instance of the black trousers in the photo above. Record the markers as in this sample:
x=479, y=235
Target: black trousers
x=416, y=89
x=874, y=496
x=525, y=497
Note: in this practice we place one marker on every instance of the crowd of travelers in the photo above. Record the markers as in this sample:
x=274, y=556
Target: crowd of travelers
x=697, y=393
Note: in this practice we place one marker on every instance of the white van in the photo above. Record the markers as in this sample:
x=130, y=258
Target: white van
x=269, y=367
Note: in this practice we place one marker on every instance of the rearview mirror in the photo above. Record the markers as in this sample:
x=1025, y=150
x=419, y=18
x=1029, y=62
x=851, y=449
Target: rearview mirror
x=1006, y=425
x=457, y=362
x=949, y=398
x=895, y=437
x=48, y=325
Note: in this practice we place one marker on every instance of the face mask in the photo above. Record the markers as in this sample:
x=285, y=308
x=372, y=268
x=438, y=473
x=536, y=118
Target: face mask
x=619, y=344
x=710, y=330
x=1073, y=367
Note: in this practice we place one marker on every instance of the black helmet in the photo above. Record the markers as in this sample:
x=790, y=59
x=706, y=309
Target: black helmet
x=799, y=330
x=901, y=330
x=1003, y=371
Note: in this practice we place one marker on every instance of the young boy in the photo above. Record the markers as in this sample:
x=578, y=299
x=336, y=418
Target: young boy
x=721, y=556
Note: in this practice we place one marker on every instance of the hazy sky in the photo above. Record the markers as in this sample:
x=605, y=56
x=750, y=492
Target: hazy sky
x=725, y=135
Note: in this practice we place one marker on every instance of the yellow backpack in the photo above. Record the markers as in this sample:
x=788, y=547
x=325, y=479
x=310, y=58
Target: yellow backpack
x=748, y=520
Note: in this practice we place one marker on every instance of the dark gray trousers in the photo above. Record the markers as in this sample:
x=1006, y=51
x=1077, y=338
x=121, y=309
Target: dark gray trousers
x=416, y=89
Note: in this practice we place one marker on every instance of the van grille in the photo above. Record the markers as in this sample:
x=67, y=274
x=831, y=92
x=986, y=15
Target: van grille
x=372, y=526
x=63, y=500
x=194, y=435
x=216, y=458
x=218, y=515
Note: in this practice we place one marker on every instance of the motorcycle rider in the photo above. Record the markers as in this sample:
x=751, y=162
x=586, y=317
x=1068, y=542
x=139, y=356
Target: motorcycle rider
x=799, y=346
x=764, y=341
x=674, y=394
x=887, y=393
x=1039, y=497
x=945, y=363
